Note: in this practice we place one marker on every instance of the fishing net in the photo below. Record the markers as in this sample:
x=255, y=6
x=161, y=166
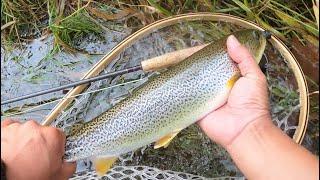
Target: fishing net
x=191, y=152
x=144, y=172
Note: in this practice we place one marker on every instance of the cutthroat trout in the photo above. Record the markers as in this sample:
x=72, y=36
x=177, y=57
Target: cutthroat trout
x=168, y=103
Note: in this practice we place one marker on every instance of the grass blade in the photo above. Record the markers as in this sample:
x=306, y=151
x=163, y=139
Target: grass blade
x=7, y=24
x=315, y=7
x=289, y=20
x=245, y=8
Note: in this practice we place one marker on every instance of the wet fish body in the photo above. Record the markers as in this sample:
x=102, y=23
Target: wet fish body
x=167, y=104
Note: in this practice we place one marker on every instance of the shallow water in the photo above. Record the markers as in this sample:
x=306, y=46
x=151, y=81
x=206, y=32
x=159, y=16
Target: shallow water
x=191, y=152
x=33, y=68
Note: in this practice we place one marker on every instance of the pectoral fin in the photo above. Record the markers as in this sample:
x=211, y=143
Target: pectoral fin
x=165, y=141
x=102, y=165
x=233, y=80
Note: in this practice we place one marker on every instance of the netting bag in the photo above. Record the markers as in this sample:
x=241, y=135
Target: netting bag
x=144, y=172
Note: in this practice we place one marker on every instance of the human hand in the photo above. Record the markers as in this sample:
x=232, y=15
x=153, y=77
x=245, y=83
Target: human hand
x=248, y=100
x=31, y=151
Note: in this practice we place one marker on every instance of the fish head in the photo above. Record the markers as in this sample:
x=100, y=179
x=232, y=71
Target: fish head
x=77, y=149
x=72, y=150
x=75, y=142
x=254, y=40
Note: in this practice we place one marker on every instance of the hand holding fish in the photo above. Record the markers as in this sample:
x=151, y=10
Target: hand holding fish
x=244, y=127
x=248, y=99
x=32, y=151
x=168, y=103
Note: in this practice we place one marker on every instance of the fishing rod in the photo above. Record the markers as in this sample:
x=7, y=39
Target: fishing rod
x=152, y=64
x=85, y=93
x=74, y=84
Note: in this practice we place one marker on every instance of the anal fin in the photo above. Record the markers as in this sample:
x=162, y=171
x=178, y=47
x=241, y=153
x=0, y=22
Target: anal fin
x=165, y=141
x=102, y=165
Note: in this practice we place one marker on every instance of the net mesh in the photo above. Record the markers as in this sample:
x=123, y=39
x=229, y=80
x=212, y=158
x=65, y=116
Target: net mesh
x=144, y=172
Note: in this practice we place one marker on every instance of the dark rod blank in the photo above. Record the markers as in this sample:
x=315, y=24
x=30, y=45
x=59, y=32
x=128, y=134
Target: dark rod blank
x=84, y=81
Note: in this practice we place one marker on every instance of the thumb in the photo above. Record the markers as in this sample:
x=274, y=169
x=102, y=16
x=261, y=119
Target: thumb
x=241, y=55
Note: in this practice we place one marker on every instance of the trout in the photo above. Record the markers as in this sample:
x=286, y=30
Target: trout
x=163, y=107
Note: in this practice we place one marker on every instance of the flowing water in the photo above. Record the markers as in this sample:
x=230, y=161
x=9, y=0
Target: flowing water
x=32, y=68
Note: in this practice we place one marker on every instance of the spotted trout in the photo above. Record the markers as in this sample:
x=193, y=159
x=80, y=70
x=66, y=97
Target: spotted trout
x=163, y=107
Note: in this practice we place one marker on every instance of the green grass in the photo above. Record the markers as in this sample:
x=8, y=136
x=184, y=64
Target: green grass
x=284, y=19
x=66, y=24
x=21, y=18
x=66, y=20
x=66, y=29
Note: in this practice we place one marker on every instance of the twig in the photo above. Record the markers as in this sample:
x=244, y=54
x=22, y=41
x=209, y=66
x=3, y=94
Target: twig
x=8, y=24
x=315, y=92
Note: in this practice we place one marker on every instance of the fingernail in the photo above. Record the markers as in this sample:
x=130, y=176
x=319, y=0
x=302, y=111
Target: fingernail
x=233, y=42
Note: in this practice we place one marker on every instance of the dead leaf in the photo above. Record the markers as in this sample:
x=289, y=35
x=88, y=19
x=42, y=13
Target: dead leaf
x=308, y=58
x=311, y=39
x=7, y=24
x=288, y=19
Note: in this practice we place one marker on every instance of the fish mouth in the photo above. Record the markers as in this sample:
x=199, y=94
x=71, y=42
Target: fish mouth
x=69, y=151
x=267, y=34
x=70, y=156
x=67, y=157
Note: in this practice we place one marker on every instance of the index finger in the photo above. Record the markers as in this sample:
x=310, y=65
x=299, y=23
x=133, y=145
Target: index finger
x=56, y=140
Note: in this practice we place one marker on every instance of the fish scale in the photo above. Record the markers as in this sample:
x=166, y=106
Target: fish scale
x=171, y=101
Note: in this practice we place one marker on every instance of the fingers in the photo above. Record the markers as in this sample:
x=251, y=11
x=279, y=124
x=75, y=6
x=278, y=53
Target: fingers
x=68, y=169
x=7, y=122
x=241, y=55
x=56, y=140
x=31, y=124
